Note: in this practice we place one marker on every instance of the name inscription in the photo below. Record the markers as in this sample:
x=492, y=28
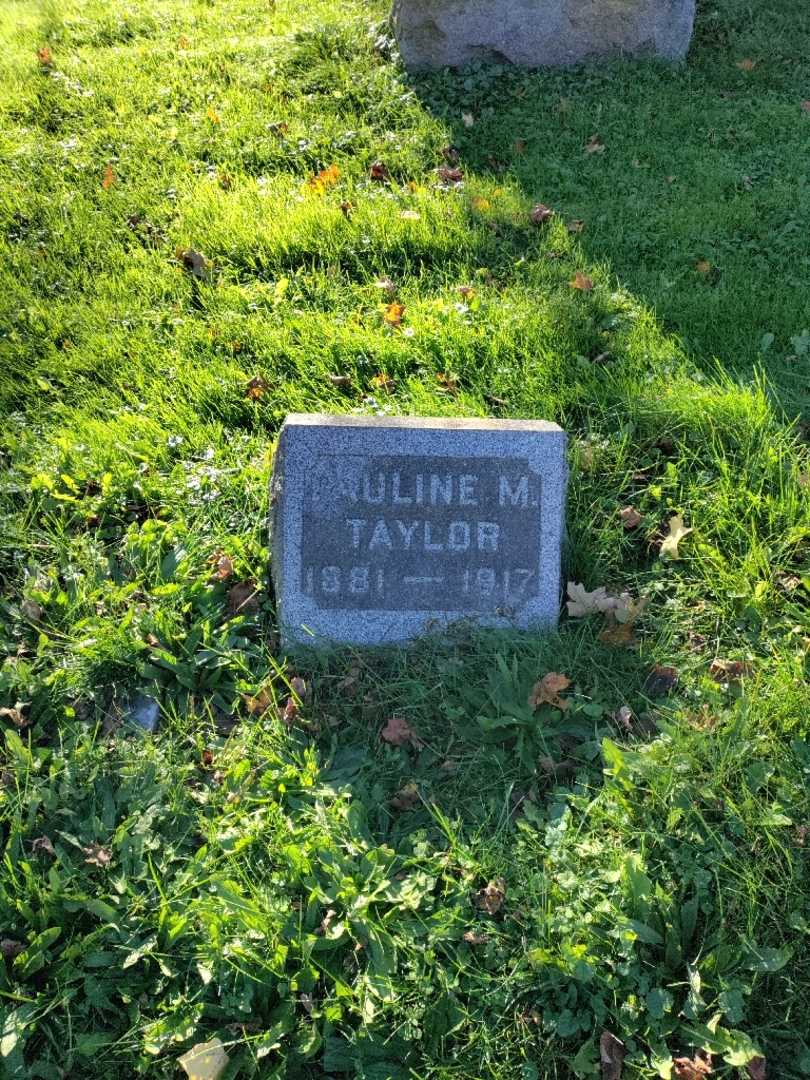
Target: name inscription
x=409, y=532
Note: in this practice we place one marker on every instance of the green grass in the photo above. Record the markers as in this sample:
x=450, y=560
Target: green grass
x=261, y=886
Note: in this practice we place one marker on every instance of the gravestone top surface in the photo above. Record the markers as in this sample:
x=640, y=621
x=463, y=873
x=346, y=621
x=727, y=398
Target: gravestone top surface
x=385, y=528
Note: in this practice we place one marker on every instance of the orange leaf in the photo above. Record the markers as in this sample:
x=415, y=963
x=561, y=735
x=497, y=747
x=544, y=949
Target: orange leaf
x=324, y=179
x=383, y=382
x=547, y=691
x=212, y=114
x=581, y=281
x=45, y=56
x=255, y=388
x=693, y=1068
x=108, y=179
x=393, y=314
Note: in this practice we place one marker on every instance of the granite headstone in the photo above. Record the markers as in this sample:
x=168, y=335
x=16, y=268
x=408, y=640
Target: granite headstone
x=539, y=33
x=385, y=528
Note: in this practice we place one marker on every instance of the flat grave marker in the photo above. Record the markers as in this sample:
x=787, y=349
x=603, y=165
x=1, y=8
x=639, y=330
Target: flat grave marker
x=385, y=528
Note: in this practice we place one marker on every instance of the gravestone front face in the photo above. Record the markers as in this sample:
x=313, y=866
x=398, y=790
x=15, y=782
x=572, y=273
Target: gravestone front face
x=385, y=528
x=536, y=33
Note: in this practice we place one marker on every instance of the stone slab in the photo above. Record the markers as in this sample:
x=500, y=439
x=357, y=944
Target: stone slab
x=539, y=33
x=386, y=528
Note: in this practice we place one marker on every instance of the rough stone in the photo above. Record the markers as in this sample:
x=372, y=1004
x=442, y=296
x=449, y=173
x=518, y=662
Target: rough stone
x=385, y=528
x=539, y=33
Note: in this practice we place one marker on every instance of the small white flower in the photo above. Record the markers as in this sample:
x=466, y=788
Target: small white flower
x=174, y=440
x=408, y=331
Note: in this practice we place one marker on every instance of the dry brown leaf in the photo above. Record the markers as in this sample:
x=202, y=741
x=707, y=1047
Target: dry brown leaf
x=96, y=855
x=398, y=732
x=660, y=681
x=747, y=64
x=255, y=389
x=258, y=704
x=476, y=937
x=222, y=564
x=806, y=106
x=540, y=214
x=31, y=610
x=42, y=845
x=386, y=285
x=703, y=266
x=724, y=671
x=194, y=261
x=677, y=531
x=205, y=1061
x=620, y=622
x=298, y=687
x=45, y=56
x=478, y=202
x=576, y=226
x=392, y=314
x=581, y=282
x=108, y=178
x=581, y=602
x=450, y=175
x=447, y=382
x=594, y=145
x=612, y=1053
x=379, y=171
x=406, y=798
x=630, y=517
x=694, y=1068
x=15, y=714
x=450, y=155
x=491, y=898
x=757, y=1068
x=340, y=382
x=243, y=598
x=547, y=691
x=289, y=711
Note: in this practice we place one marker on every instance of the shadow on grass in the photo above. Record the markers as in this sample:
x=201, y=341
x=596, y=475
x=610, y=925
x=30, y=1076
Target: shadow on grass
x=686, y=182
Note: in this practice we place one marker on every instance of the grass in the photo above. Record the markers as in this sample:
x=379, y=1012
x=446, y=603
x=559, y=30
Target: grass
x=263, y=868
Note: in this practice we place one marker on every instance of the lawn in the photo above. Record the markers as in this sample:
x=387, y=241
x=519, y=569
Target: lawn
x=215, y=213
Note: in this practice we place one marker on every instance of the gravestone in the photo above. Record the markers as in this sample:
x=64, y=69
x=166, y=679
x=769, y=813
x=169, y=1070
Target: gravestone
x=536, y=33
x=385, y=528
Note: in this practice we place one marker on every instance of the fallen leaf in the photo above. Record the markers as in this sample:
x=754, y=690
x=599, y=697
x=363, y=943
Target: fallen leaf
x=747, y=64
x=581, y=602
x=757, y=1068
x=45, y=56
x=547, y=692
x=42, y=845
x=259, y=703
x=256, y=387
x=476, y=937
x=15, y=714
x=383, y=383
x=449, y=175
x=410, y=215
x=624, y=717
x=723, y=671
x=540, y=214
x=406, y=798
x=630, y=517
x=243, y=598
x=677, y=531
x=594, y=145
x=466, y=291
x=619, y=630
x=340, y=382
x=289, y=711
x=205, y=1061
x=108, y=178
x=398, y=732
x=693, y=1068
x=379, y=171
x=576, y=226
x=298, y=687
x=223, y=565
x=467, y=119
x=480, y=204
x=9, y=948
x=320, y=182
x=581, y=281
x=183, y=42
x=612, y=1053
x=385, y=284
x=491, y=898
x=660, y=681
x=450, y=155
x=212, y=114
x=193, y=261
x=347, y=209
x=801, y=834
x=96, y=855
x=393, y=313
x=806, y=106
x=703, y=266
x=447, y=382
x=207, y=758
